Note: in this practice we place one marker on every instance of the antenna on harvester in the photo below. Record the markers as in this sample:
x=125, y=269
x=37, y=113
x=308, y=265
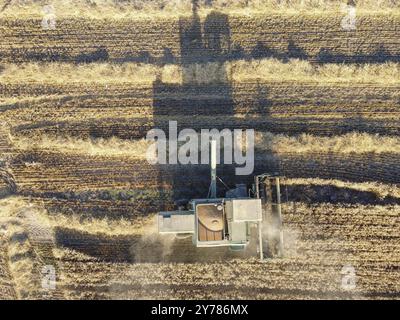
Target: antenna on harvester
x=213, y=186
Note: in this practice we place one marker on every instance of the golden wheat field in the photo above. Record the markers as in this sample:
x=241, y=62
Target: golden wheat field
x=80, y=90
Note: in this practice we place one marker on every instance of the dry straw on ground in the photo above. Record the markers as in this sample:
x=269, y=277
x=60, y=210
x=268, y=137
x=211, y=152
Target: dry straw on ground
x=143, y=9
x=112, y=147
x=354, y=142
x=348, y=143
x=238, y=71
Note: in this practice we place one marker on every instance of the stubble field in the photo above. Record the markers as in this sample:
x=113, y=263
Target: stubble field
x=76, y=190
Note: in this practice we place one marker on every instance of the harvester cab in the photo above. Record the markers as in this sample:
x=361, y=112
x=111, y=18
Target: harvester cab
x=229, y=221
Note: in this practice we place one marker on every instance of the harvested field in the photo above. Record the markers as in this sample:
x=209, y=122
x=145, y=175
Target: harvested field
x=146, y=39
x=78, y=196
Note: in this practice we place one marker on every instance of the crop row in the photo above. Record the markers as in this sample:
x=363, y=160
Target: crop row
x=49, y=172
x=276, y=107
x=314, y=37
x=174, y=95
x=131, y=128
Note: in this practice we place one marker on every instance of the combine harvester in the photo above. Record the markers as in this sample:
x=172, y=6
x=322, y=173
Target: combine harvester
x=243, y=216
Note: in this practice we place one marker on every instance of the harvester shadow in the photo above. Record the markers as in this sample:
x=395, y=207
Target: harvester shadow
x=379, y=55
x=202, y=93
x=140, y=249
x=358, y=122
x=100, y=55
